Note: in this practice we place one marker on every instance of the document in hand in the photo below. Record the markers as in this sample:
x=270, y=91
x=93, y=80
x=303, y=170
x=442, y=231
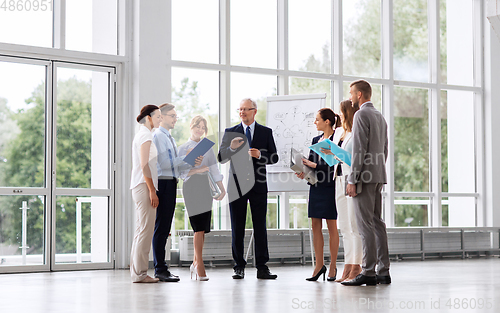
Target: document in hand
x=359, y=186
x=340, y=155
x=201, y=148
x=298, y=167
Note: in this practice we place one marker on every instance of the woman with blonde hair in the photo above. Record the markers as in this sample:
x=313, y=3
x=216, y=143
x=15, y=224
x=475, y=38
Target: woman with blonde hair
x=144, y=184
x=353, y=250
x=197, y=193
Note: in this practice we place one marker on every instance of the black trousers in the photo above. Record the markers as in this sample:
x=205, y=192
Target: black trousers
x=167, y=194
x=238, y=210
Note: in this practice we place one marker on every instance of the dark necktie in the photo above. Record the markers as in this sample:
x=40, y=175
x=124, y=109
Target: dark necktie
x=249, y=136
x=170, y=155
x=173, y=144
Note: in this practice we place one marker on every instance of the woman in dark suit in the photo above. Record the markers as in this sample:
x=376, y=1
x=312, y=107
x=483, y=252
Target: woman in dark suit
x=321, y=198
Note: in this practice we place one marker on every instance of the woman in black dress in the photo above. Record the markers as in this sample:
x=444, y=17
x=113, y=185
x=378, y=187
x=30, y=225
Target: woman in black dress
x=322, y=197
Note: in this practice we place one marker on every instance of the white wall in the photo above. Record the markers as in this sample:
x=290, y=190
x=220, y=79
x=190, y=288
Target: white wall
x=492, y=125
x=148, y=74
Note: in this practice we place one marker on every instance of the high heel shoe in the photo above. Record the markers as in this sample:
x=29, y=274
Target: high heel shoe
x=195, y=271
x=334, y=277
x=315, y=277
x=192, y=270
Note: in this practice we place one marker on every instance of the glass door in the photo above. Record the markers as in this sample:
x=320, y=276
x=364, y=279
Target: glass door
x=24, y=159
x=82, y=167
x=56, y=165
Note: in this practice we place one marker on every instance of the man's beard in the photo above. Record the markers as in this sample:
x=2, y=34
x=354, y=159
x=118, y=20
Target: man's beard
x=355, y=105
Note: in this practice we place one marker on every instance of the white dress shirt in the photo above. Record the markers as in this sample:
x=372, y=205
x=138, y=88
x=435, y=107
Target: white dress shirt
x=137, y=177
x=252, y=129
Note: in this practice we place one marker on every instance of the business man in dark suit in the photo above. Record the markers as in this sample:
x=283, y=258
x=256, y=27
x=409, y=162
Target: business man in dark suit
x=369, y=154
x=250, y=147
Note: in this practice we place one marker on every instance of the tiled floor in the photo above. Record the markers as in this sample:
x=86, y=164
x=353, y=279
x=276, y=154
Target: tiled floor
x=451, y=285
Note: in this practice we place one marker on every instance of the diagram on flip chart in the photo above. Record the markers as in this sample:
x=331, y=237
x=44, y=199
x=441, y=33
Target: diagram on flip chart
x=292, y=120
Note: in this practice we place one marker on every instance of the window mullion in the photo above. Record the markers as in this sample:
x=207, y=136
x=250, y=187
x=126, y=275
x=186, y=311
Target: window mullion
x=337, y=52
x=283, y=79
x=224, y=93
x=479, y=118
x=59, y=25
x=435, y=212
x=388, y=104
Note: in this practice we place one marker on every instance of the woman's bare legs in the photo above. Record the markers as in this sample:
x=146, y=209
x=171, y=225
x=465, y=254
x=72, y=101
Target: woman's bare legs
x=334, y=246
x=199, y=240
x=318, y=243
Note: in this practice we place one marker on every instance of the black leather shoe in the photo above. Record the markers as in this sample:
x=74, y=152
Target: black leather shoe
x=239, y=273
x=332, y=278
x=361, y=280
x=265, y=274
x=385, y=280
x=322, y=271
x=167, y=277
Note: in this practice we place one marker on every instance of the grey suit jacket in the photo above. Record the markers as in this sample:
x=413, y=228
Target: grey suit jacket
x=369, y=146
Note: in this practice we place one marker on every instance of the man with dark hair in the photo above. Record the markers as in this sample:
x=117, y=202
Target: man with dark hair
x=250, y=147
x=369, y=154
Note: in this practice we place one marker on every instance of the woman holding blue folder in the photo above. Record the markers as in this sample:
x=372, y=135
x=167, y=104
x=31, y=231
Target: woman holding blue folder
x=321, y=198
x=197, y=193
x=353, y=249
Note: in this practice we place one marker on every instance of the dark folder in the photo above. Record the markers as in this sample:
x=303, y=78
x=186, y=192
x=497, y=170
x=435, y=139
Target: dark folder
x=201, y=148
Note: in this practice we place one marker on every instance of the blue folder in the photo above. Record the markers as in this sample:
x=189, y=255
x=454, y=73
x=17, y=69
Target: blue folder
x=201, y=148
x=340, y=155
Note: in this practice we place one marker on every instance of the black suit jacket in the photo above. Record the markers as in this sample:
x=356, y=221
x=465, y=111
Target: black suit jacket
x=248, y=173
x=324, y=172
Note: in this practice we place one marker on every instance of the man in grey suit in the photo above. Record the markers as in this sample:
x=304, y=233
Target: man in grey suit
x=369, y=154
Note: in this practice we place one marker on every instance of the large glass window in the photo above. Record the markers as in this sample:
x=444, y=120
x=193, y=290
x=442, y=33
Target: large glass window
x=195, y=30
x=257, y=87
x=92, y=26
x=411, y=40
x=411, y=132
x=310, y=29
x=195, y=92
x=458, y=166
x=298, y=211
x=26, y=22
x=254, y=33
x=22, y=125
x=411, y=211
x=362, y=38
x=302, y=86
x=457, y=43
x=88, y=25
x=309, y=33
x=22, y=228
x=459, y=211
x=82, y=232
x=82, y=129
